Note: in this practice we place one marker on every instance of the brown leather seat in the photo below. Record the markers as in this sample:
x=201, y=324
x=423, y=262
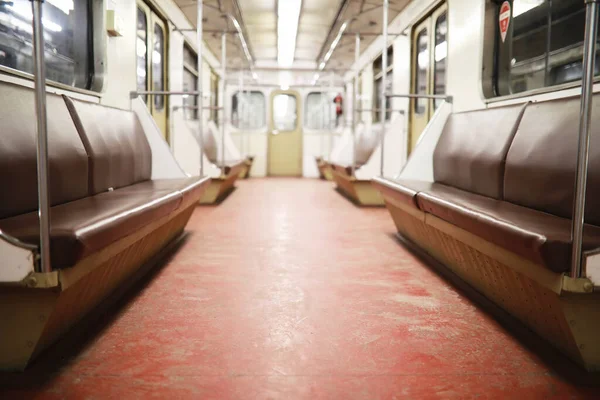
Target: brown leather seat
x=537, y=236
x=404, y=190
x=507, y=175
x=472, y=149
x=190, y=188
x=82, y=227
x=100, y=166
x=115, y=141
x=67, y=158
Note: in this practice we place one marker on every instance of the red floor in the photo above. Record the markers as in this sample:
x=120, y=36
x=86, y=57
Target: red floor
x=286, y=290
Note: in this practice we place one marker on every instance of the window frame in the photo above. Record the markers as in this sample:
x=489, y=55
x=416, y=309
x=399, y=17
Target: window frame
x=96, y=57
x=251, y=92
x=192, y=69
x=306, y=114
x=377, y=77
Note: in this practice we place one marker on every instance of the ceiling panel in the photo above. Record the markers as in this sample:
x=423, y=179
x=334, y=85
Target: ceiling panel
x=318, y=27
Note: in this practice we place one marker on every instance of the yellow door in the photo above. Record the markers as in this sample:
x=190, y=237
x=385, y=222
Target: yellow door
x=429, y=51
x=285, y=134
x=151, y=62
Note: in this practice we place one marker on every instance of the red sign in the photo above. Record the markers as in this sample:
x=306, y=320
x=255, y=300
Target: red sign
x=504, y=19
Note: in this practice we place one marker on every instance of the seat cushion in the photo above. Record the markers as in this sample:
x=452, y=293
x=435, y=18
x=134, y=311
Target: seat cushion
x=80, y=228
x=542, y=161
x=472, y=148
x=67, y=158
x=539, y=237
x=114, y=139
x=402, y=190
x=190, y=188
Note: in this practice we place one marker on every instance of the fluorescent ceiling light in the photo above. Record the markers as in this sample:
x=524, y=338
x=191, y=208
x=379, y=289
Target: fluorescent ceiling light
x=288, y=14
x=522, y=6
x=333, y=45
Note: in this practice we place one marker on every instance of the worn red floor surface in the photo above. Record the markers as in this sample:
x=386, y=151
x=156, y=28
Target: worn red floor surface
x=287, y=290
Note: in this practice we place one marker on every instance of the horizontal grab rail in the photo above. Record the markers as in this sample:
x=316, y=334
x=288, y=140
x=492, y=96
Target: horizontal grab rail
x=445, y=97
x=379, y=109
x=196, y=107
x=135, y=93
x=16, y=242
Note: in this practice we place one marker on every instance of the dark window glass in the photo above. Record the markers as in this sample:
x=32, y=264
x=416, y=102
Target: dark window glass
x=67, y=32
x=543, y=46
x=190, y=84
x=377, y=73
x=190, y=81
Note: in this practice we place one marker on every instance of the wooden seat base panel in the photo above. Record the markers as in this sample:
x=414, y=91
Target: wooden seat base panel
x=35, y=317
x=569, y=320
x=361, y=192
x=245, y=173
x=324, y=170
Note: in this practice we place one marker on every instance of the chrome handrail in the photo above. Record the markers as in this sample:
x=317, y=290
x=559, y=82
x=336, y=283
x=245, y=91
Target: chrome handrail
x=447, y=98
x=585, y=118
x=42, y=135
x=16, y=242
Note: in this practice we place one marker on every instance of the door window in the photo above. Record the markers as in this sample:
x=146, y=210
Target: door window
x=142, y=53
x=421, y=70
x=285, y=116
x=158, y=77
x=439, y=57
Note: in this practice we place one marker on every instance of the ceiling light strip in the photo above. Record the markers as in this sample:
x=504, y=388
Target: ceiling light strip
x=288, y=17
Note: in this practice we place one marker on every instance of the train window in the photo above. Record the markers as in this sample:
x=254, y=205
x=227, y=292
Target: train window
x=542, y=45
x=190, y=81
x=378, y=78
x=359, y=99
x=320, y=110
x=158, y=78
x=142, y=53
x=421, y=73
x=248, y=110
x=440, y=52
x=68, y=34
x=214, y=97
x=285, y=117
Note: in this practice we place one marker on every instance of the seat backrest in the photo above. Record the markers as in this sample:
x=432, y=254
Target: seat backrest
x=211, y=147
x=67, y=159
x=472, y=148
x=115, y=141
x=367, y=141
x=542, y=161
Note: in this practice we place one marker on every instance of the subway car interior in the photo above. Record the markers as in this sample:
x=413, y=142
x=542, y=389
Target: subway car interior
x=299, y=199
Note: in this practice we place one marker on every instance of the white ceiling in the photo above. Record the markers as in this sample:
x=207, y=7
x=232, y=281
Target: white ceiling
x=318, y=27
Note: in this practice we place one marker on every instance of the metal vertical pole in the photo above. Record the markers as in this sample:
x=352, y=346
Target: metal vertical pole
x=241, y=107
x=383, y=99
x=199, y=39
x=589, y=56
x=42, y=135
x=324, y=104
x=332, y=118
x=224, y=79
x=354, y=108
